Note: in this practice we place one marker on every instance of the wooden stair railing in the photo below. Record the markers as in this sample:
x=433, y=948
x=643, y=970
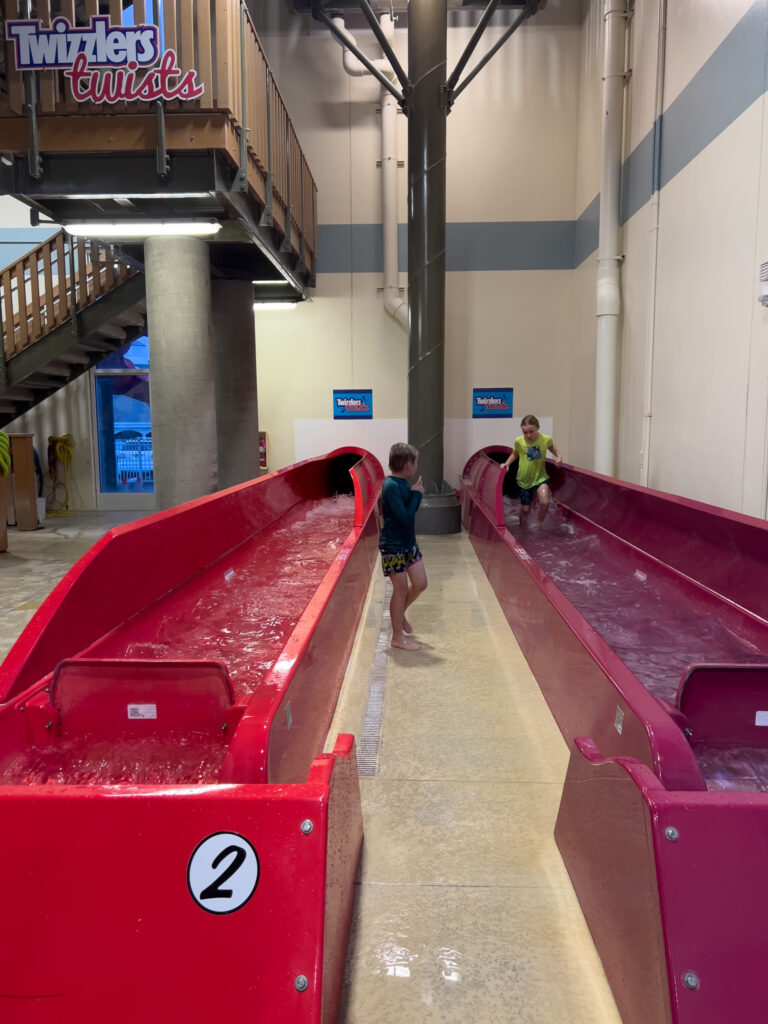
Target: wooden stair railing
x=41, y=291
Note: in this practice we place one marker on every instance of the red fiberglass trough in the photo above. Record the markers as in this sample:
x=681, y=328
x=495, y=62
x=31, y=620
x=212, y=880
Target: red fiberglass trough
x=177, y=846
x=644, y=617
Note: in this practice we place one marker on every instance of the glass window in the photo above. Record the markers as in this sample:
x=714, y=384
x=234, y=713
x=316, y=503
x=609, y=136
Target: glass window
x=123, y=420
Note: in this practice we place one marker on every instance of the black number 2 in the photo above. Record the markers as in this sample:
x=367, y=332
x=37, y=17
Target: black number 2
x=212, y=891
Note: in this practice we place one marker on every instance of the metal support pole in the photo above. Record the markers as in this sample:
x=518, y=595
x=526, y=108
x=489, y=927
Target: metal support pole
x=73, y=289
x=242, y=174
x=285, y=245
x=266, y=216
x=427, y=109
x=30, y=97
x=163, y=161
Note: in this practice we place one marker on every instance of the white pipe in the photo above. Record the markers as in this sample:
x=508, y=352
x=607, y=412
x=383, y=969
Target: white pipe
x=395, y=304
x=352, y=65
x=650, y=336
x=609, y=257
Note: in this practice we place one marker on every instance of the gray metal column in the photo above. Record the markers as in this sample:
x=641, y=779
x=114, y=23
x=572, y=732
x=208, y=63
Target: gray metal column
x=182, y=379
x=234, y=348
x=427, y=111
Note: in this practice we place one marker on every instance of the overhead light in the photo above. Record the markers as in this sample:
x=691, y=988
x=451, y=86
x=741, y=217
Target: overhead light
x=142, y=228
x=6, y=159
x=274, y=305
x=138, y=195
x=271, y=284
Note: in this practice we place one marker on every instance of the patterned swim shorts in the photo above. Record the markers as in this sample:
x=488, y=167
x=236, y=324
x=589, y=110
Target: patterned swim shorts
x=399, y=562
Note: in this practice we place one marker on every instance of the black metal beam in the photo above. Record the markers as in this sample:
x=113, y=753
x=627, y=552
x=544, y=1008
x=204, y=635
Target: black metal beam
x=470, y=47
x=389, y=53
x=320, y=15
x=530, y=9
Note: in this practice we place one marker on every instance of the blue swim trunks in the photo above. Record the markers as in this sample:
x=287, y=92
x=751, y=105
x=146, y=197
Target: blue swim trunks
x=527, y=493
x=400, y=561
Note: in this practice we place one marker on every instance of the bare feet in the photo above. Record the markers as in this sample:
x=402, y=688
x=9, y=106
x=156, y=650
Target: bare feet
x=407, y=627
x=405, y=644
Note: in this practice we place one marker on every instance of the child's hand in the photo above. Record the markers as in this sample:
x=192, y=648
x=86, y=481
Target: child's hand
x=559, y=460
x=418, y=486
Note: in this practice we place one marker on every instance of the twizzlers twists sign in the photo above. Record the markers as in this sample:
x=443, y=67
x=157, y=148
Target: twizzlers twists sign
x=104, y=63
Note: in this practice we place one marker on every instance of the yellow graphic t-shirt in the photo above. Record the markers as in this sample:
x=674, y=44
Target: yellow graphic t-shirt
x=531, y=469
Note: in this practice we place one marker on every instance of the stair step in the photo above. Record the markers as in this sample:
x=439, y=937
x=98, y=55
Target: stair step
x=40, y=382
x=132, y=318
x=59, y=369
x=75, y=358
x=111, y=330
x=18, y=394
x=95, y=344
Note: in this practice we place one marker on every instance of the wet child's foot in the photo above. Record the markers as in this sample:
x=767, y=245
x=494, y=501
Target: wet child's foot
x=407, y=627
x=405, y=644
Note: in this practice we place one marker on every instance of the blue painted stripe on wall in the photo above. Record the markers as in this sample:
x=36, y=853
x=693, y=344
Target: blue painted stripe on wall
x=514, y=245
x=587, y=230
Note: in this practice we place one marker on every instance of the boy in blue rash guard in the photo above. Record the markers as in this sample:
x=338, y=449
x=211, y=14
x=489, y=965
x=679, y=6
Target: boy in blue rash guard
x=401, y=559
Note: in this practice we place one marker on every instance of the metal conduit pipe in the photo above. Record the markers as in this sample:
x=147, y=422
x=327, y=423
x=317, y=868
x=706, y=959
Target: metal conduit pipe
x=609, y=257
x=395, y=304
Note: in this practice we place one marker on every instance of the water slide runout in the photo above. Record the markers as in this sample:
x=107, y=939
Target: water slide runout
x=176, y=846
x=644, y=617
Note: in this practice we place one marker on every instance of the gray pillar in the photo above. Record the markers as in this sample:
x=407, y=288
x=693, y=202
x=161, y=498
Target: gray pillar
x=182, y=375
x=427, y=111
x=234, y=347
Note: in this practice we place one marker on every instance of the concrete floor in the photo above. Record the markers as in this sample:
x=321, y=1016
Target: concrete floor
x=464, y=911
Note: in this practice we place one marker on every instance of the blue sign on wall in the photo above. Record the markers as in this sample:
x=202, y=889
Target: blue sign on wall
x=353, y=405
x=495, y=402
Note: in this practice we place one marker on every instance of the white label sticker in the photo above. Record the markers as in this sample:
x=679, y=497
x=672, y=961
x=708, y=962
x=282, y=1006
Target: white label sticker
x=619, y=720
x=142, y=710
x=223, y=873
x=761, y=718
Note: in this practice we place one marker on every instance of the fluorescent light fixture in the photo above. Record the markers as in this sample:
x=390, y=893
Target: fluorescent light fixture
x=271, y=284
x=122, y=196
x=258, y=306
x=142, y=228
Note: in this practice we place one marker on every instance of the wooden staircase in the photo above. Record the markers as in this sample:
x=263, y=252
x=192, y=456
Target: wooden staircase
x=63, y=307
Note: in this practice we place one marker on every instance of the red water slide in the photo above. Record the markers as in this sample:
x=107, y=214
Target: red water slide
x=644, y=617
x=176, y=844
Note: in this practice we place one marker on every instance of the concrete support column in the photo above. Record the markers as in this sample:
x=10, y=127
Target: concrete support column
x=234, y=349
x=182, y=381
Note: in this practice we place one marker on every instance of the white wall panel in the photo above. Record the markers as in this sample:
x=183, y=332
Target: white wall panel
x=703, y=318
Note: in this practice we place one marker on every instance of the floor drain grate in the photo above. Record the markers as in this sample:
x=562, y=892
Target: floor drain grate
x=370, y=733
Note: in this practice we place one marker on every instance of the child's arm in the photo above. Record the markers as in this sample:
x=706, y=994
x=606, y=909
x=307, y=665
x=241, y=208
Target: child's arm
x=510, y=460
x=556, y=453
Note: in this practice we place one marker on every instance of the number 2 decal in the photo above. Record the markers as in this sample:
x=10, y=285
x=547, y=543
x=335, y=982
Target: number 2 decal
x=224, y=857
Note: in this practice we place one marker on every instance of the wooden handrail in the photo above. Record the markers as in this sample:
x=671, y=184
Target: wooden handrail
x=223, y=48
x=37, y=291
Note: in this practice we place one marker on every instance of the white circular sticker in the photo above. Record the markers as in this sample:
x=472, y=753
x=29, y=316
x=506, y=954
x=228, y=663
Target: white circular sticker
x=223, y=873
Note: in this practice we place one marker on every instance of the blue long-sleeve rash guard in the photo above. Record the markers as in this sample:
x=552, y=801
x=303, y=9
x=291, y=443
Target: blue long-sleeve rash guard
x=399, y=504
